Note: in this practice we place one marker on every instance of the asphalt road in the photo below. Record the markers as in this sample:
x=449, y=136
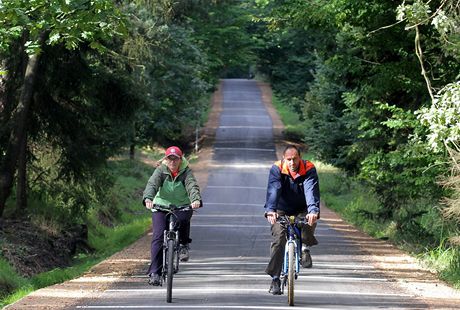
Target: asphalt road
x=231, y=238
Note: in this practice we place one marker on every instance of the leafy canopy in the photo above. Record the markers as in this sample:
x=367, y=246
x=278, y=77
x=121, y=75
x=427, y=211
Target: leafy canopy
x=63, y=21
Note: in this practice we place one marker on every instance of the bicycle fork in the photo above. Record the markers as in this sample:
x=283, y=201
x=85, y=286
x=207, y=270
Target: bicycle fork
x=284, y=271
x=169, y=234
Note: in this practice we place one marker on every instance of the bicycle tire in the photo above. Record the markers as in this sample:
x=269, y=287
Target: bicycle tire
x=291, y=273
x=170, y=273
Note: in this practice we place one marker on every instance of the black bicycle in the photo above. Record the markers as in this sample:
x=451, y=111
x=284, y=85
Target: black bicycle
x=292, y=254
x=171, y=246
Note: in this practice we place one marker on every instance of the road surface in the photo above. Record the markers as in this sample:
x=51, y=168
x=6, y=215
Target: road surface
x=231, y=238
x=231, y=242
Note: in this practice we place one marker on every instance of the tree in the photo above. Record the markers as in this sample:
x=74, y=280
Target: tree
x=71, y=23
x=362, y=87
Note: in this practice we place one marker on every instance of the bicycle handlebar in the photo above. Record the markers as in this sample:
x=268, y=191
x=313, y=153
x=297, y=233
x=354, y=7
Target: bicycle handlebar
x=285, y=219
x=171, y=208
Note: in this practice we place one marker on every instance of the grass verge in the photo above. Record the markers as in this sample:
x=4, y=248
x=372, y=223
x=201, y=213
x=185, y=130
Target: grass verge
x=128, y=220
x=294, y=129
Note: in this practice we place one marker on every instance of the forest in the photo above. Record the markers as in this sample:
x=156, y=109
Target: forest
x=375, y=83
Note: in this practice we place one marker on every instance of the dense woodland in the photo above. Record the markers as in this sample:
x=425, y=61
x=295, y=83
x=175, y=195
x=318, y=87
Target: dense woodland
x=377, y=84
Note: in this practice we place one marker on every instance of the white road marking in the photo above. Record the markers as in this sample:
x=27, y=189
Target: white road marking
x=235, y=204
x=244, y=166
x=229, y=225
x=342, y=266
x=264, y=276
x=243, y=109
x=244, y=187
x=192, y=307
x=246, y=115
x=204, y=290
x=245, y=127
x=243, y=149
x=198, y=215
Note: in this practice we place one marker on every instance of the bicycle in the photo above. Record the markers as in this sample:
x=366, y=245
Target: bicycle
x=292, y=254
x=171, y=247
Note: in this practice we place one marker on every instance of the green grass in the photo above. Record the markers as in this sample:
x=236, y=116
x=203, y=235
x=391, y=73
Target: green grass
x=130, y=221
x=293, y=128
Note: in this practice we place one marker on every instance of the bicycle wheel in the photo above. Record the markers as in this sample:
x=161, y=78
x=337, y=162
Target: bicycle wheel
x=291, y=273
x=169, y=280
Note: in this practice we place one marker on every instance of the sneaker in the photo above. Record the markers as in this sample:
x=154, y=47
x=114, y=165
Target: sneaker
x=183, y=253
x=154, y=279
x=306, y=260
x=275, y=287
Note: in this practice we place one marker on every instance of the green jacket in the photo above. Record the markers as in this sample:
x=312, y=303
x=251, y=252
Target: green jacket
x=165, y=190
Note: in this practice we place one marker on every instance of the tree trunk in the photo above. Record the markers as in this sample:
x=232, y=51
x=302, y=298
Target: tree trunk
x=132, y=150
x=132, y=146
x=17, y=135
x=21, y=187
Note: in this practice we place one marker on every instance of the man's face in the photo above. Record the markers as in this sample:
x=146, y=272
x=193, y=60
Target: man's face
x=293, y=159
x=173, y=162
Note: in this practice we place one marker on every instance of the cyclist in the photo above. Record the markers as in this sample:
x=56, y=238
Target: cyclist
x=293, y=189
x=171, y=184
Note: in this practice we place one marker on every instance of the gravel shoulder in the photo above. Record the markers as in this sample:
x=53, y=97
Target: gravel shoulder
x=392, y=263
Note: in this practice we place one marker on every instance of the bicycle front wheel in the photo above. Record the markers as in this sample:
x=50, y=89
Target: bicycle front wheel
x=170, y=273
x=291, y=272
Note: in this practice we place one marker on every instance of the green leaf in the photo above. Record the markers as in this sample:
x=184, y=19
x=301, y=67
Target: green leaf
x=54, y=38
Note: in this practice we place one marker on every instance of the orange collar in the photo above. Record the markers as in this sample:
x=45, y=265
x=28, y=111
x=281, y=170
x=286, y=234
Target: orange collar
x=304, y=166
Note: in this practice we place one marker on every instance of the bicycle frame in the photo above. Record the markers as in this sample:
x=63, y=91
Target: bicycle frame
x=292, y=254
x=293, y=236
x=170, y=247
x=171, y=233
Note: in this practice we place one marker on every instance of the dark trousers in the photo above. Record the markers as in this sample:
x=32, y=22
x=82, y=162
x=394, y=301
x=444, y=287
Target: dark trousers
x=279, y=241
x=158, y=226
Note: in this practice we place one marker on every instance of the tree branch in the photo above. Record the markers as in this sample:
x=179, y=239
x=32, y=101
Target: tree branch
x=419, y=52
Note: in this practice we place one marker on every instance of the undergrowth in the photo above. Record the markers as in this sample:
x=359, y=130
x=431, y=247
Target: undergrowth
x=112, y=225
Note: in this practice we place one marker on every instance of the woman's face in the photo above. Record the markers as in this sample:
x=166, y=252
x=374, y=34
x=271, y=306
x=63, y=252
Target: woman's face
x=173, y=163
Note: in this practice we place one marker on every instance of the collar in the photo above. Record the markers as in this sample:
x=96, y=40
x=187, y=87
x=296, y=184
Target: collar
x=304, y=166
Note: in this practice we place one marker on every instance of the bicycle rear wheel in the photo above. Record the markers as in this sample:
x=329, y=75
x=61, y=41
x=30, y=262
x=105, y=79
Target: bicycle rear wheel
x=291, y=273
x=170, y=273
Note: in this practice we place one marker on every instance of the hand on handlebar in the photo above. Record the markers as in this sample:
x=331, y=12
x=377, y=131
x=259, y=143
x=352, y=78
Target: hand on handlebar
x=311, y=218
x=271, y=217
x=196, y=204
x=148, y=204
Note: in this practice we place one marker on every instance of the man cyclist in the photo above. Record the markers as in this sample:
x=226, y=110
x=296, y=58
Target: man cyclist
x=293, y=189
x=171, y=184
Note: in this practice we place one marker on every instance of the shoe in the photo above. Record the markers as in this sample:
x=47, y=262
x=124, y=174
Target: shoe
x=154, y=279
x=306, y=260
x=184, y=253
x=275, y=287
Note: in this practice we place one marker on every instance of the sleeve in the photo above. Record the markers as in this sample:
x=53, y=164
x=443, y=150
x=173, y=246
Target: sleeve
x=311, y=191
x=192, y=187
x=273, y=189
x=153, y=185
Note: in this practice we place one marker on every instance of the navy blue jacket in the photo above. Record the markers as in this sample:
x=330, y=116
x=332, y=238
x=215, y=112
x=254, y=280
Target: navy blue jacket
x=291, y=195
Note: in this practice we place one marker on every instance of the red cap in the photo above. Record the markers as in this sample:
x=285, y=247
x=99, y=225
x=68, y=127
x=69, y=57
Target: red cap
x=173, y=151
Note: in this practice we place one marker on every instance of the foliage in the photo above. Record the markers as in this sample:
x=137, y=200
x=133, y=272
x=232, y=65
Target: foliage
x=222, y=30
x=147, y=83
x=362, y=88
x=64, y=22
x=443, y=119
x=368, y=110
x=442, y=15
x=180, y=48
